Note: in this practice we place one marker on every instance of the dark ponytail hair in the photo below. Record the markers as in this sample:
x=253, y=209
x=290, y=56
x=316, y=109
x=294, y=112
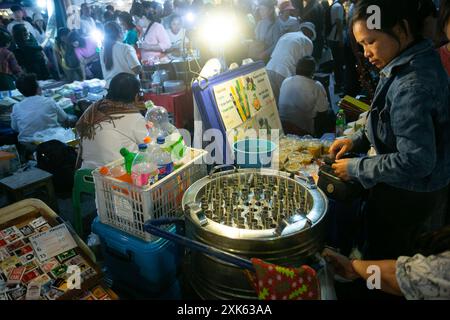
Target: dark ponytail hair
x=396, y=12
x=435, y=242
x=127, y=19
x=112, y=34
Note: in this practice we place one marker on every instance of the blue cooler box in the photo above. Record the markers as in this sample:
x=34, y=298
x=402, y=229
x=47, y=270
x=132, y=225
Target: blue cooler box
x=145, y=269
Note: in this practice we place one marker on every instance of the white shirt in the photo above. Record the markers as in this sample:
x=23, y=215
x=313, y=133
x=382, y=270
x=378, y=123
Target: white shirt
x=177, y=39
x=34, y=114
x=87, y=25
x=290, y=48
x=290, y=25
x=301, y=98
x=126, y=132
x=124, y=60
x=336, y=13
x=424, y=278
x=27, y=25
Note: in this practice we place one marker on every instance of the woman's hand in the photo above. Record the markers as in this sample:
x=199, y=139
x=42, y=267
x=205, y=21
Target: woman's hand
x=342, y=265
x=340, y=167
x=340, y=147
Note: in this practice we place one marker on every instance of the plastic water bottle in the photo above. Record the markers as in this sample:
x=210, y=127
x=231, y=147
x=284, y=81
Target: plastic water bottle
x=163, y=159
x=157, y=119
x=157, y=122
x=340, y=123
x=144, y=170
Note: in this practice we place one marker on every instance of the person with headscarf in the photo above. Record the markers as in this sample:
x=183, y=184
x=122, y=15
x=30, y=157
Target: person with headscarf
x=112, y=123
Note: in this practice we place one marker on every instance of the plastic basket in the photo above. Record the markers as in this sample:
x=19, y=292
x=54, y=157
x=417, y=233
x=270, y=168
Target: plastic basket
x=127, y=207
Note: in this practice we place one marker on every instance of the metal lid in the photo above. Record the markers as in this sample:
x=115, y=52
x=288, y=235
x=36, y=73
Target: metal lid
x=254, y=204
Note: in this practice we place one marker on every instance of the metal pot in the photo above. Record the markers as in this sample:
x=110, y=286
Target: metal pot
x=251, y=213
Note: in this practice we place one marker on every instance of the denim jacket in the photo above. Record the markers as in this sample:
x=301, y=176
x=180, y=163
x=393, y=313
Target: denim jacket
x=408, y=125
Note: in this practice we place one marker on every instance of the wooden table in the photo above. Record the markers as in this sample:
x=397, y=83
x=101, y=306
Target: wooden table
x=19, y=184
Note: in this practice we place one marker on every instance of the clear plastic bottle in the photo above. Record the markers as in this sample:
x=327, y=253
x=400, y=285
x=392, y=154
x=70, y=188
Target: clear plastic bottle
x=163, y=159
x=144, y=170
x=158, y=124
x=340, y=123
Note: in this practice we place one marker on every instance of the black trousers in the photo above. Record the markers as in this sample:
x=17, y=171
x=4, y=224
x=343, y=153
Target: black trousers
x=395, y=218
x=339, y=62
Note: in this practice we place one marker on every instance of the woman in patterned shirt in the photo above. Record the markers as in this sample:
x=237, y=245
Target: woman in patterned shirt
x=9, y=68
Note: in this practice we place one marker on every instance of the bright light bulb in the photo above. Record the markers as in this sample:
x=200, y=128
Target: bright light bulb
x=42, y=3
x=190, y=17
x=219, y=29
x=97, y=36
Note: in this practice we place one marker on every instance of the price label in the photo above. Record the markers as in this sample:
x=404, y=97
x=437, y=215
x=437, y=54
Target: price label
x=52, y=242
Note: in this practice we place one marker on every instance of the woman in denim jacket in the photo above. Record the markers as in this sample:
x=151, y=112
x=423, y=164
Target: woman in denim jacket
x=408, y=127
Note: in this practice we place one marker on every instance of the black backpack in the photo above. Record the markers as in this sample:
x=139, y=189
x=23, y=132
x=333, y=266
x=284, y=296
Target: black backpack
x=59, y=159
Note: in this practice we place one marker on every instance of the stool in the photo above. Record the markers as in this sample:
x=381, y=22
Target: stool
x=83, y=183
x=19, y=184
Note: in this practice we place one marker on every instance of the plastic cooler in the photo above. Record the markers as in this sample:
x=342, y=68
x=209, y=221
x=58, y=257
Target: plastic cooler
x=145, y=269
x=127, y=207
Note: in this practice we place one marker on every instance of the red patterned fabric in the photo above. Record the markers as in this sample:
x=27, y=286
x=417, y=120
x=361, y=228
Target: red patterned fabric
x=272, y=282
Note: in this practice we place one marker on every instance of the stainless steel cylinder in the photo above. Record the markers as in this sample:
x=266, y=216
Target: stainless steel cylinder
x=283, y=231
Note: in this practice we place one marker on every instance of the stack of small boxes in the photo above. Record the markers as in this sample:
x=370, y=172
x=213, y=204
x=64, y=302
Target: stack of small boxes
x=24, y=276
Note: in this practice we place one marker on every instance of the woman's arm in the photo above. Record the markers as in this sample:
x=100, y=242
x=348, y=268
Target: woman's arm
x=387, y=269
x=354, y=269
x=412, y=125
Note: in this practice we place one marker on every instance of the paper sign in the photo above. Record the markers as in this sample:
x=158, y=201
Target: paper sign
x=123, y=208
x=247, y=102
x=52, y=242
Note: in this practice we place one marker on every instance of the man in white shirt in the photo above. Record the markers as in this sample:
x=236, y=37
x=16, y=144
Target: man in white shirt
x=303, y=102
x=336, y=41
x=289, y=49
x=287, y=22
x=18, y=19
x=87, y=24
x=35, y=113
